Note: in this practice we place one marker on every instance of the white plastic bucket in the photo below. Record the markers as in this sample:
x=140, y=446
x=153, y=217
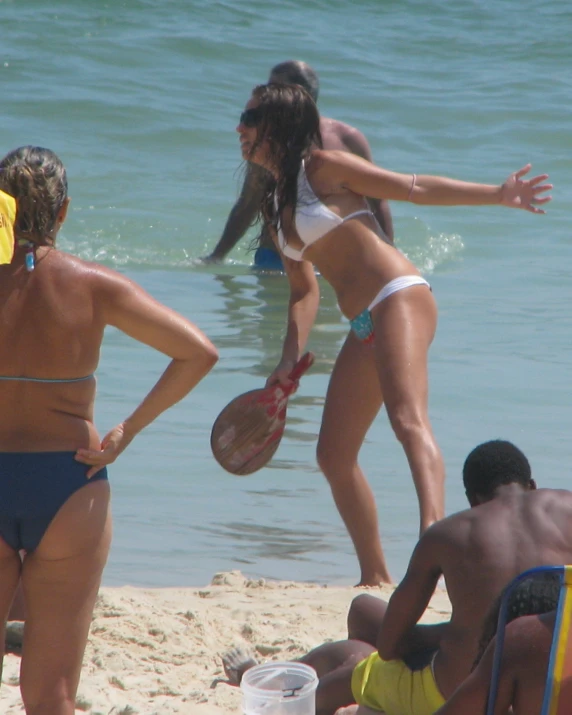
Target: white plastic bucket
x=279, y=689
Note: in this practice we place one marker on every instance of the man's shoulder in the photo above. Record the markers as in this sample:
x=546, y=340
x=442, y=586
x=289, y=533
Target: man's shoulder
x=446, y=538
x=548, y=501
x=548, y=493
x=339, y=135
x=554, y=505
x=452, y=523
x=440, y=537
x=341, y=129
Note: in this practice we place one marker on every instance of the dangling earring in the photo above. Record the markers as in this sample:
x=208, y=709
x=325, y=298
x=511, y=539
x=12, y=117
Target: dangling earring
x=30, y=260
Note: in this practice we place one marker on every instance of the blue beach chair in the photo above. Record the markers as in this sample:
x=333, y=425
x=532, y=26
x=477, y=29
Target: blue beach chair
x=557, y=699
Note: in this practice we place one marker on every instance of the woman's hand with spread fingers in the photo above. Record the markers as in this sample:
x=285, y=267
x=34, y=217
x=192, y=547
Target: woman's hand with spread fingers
x=519, y=193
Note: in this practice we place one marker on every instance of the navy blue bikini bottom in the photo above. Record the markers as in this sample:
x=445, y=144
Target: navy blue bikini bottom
x=33, y=487
x=267, y=259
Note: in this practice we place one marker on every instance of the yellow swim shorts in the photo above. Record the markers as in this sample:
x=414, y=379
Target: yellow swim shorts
x=390, y=686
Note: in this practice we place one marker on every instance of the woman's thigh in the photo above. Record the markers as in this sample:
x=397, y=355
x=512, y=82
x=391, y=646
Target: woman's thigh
x=352, y=402
x=405, y=325
x=10, y=565
x=61, y=578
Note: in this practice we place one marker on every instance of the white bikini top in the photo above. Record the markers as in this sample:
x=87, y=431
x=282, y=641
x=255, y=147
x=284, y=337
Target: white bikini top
x=313, y=218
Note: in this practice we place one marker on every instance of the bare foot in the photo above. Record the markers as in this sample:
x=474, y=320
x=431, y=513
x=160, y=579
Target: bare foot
x=236, y=662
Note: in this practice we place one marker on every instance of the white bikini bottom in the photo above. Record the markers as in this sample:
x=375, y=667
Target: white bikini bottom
x=362, y=324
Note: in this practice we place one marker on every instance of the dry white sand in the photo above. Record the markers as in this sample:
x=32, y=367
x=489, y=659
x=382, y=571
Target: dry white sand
x=157, y=651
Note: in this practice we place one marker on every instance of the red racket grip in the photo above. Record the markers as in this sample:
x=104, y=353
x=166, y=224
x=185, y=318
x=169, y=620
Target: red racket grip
x=303, y=364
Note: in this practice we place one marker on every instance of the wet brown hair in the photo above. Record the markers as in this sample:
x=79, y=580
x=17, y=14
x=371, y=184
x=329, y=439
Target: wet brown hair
x=290, y=124
x=37, y=179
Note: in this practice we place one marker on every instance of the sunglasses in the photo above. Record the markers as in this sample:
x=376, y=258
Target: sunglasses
x=251, y=117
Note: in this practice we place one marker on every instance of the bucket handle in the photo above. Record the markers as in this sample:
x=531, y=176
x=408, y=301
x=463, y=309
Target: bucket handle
x=292, y=692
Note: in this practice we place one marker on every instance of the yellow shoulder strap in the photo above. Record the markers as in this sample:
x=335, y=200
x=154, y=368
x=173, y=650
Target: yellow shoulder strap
x=7, y=218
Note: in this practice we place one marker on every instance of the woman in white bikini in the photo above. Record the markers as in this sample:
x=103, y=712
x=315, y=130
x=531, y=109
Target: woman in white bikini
x=315, y=201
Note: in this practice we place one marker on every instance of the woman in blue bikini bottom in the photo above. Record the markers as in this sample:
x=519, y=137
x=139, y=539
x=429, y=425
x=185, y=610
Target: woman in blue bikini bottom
x=54, y=493
x=35, y=485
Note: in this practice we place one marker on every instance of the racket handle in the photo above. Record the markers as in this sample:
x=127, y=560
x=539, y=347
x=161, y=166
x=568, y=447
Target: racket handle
x=305, y=362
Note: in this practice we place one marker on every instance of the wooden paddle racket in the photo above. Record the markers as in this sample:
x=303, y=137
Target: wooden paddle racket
x=248, y=431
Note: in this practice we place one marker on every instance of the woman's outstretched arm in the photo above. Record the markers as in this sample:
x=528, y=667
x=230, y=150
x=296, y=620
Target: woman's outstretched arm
x=357, y=175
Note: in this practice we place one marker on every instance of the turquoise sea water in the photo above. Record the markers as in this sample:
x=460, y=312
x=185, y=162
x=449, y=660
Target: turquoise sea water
x=140, y=99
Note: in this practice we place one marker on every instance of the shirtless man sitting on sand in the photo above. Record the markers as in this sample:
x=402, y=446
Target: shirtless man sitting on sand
x=531, y=618
x=413, y=669
x=335, y=135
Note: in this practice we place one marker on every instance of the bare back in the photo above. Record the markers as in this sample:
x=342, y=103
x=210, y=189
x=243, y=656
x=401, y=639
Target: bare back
x=484, y=548
x=51, y=327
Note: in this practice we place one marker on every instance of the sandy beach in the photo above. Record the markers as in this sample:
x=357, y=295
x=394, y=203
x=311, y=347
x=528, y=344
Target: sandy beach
x=156, y=651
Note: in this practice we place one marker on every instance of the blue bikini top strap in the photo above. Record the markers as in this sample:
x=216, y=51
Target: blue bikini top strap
x=14, y=378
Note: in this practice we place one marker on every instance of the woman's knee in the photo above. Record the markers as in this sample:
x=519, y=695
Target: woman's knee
x=357, y=618
x=56, y=699
x=332, y=461
x=365, y=617
x=324, y=457
x=411, y=427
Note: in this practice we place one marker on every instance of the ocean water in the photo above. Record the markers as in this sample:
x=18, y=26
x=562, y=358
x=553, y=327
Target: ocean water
x=141, y=98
